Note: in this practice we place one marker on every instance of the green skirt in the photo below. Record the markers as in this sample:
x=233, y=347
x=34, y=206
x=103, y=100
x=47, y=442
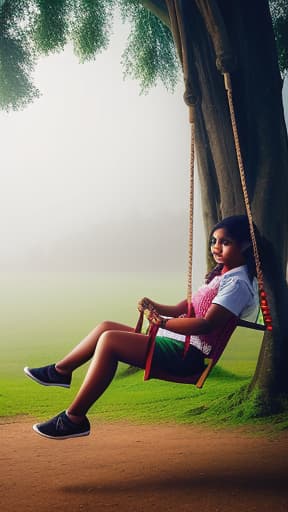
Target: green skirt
x=169, y=357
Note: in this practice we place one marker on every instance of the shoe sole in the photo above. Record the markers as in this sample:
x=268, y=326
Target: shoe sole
x=29, y=374
x=59, y=438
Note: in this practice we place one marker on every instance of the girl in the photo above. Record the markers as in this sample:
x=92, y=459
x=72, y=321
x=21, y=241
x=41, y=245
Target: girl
x=230, y=292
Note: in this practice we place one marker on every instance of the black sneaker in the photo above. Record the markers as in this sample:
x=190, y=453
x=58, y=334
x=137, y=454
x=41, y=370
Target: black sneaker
x=61, y=427
x=48, y=376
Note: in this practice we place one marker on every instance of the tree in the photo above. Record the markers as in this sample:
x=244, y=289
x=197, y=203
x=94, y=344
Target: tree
x=235, y=36
x=240, y=38
x=217, y=31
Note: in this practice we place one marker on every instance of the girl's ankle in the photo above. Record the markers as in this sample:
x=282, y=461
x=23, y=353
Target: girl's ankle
x=61, y=371
x=75, y=418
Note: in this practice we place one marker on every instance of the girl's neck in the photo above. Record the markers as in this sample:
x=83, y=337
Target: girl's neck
x=227, y=269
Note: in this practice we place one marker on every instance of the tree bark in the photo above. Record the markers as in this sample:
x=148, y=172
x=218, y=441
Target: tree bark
x=258, y=105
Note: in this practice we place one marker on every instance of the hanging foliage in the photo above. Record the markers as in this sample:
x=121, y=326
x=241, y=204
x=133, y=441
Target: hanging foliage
x=17, y=56
x=279, y=13
x=50, y=26
x=150, y=53
x=29, y=28
x=91, y=27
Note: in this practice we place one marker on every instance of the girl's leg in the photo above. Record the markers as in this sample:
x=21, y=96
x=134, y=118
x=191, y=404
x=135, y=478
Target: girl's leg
x=113, y=346
x=86, y=348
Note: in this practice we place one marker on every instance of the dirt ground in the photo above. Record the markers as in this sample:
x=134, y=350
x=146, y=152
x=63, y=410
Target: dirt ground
x=135, y=468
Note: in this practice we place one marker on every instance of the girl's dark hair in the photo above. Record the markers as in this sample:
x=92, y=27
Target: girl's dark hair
x=237, y=227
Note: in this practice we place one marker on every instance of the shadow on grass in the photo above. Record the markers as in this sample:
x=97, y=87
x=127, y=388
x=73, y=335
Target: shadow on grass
x=218, y=372
x=127, y=371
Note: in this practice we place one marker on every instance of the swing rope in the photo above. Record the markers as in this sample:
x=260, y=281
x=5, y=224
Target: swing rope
x=191, y=210
x=260, y=278
x=199, y=380
x=190, y=223
x=263, y=297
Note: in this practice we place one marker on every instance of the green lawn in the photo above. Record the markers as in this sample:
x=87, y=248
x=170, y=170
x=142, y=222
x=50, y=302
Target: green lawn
x=45, y=321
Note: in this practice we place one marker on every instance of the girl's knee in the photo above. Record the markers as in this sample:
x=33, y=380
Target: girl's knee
x=105, y=340
x=106, y=325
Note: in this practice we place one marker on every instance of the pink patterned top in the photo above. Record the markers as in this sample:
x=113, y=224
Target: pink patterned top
x=232, y=290
x=211, y=344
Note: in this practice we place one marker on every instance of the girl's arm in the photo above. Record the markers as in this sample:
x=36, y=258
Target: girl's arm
x=164, y=310
x=216, y=316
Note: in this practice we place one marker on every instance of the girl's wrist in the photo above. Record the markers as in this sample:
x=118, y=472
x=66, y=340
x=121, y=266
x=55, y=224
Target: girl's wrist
x=163, y=322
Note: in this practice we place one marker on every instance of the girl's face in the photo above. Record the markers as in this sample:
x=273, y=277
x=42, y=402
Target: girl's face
x=225, y=250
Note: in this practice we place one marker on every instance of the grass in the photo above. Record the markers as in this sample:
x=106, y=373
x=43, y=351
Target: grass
x=49, y=324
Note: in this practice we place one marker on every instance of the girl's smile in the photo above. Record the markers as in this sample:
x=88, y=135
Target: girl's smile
x=225, y=250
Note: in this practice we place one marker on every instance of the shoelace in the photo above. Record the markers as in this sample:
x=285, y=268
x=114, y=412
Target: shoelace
x=60, y=425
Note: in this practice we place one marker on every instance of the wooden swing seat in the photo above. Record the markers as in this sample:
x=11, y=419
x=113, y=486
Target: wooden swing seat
x=198, y=379
x=209, y=362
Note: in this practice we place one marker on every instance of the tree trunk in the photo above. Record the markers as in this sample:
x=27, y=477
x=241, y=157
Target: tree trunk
x=258, y=105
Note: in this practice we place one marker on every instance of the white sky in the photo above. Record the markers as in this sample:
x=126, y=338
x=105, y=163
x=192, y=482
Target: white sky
x=92, y=172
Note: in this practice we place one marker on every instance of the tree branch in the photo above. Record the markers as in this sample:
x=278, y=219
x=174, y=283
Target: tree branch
x=216, y=27
x=158, y=7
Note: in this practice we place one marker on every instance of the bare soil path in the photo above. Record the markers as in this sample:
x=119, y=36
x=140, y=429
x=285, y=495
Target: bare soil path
x=139, y=468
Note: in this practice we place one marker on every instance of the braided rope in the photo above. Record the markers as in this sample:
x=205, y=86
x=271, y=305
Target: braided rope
x=260, y=278
x=191, y=210
x=228, y=87
x=190, y=234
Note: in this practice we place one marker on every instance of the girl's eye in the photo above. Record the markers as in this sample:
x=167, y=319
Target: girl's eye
x=222, y=241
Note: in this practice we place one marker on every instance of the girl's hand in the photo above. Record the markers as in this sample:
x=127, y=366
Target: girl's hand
x=152, y=315
x=154, y=318
x=143, y=304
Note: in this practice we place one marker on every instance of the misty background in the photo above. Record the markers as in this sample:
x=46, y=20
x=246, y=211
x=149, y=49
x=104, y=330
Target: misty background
x=94, y=177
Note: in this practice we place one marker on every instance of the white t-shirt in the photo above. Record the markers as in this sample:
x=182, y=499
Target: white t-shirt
x=235, y=293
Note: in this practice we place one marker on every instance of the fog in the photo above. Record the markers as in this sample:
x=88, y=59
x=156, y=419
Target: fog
x=94, y=176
